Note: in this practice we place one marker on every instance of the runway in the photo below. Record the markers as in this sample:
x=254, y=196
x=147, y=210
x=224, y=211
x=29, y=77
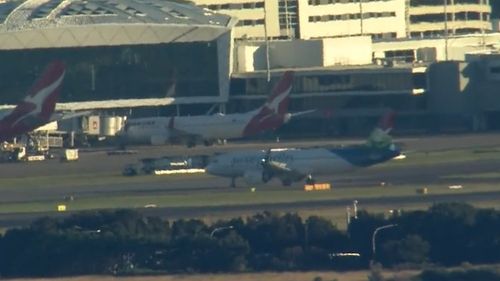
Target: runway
x=98, y=175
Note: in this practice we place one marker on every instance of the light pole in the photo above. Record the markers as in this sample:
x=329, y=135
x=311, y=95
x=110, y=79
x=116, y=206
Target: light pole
x=222, y=228
x=445, y=8
x=361, y=16
x=374, y=236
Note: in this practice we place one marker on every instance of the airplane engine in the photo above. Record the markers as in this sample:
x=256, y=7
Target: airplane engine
x=253, y=177
x=287, y=117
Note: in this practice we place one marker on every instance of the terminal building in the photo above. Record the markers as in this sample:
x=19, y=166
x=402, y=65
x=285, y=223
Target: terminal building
x=381, y=19
x=353, y=59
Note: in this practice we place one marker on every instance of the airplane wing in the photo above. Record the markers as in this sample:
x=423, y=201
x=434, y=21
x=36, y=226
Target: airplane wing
x=289, y=116
x=64, y=115
x=300, y=113
x=272, y=168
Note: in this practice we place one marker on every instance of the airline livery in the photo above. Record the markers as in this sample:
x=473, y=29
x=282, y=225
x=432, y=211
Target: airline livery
x=291, y=165
x=209, y=128
x=38, y=106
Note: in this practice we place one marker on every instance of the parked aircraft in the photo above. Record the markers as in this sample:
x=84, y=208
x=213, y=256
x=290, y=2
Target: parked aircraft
x=37, y=108
x=291, y=165
x=209, y=128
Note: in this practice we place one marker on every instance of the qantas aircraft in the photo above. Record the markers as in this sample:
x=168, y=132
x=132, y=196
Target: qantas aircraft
x=208, y=128
x=37, y=108
x=291, y=165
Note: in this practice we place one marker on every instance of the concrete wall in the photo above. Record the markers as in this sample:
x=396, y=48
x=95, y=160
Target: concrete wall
x=246, y=59
x=304, y=53
x=346, y=27
x=347, y=51
x=445, y=94
x=458, y=46
x=297, y=53
x=454, y=23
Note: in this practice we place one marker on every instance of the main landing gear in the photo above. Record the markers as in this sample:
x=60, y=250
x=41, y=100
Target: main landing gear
x=310, y=180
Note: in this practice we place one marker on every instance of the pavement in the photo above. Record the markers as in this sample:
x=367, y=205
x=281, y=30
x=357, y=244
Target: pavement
x=43, y=177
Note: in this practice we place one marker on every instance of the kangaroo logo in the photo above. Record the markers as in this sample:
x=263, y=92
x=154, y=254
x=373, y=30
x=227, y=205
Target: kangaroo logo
x=34, y=103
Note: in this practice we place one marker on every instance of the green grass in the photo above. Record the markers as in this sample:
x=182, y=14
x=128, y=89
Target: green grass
x=244, y=197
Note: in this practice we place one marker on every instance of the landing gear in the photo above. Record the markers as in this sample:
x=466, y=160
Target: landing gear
x=310, y=180
x=266, y=176
x=233, y=183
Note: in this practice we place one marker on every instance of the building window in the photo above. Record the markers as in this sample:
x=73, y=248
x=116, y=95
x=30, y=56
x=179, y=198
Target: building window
x=355, y=16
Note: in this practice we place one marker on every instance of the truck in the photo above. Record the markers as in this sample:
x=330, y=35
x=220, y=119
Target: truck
x=19, y=152
x=165, y=164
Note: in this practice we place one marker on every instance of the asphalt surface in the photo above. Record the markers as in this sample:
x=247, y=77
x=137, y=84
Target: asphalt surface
x=98, y=161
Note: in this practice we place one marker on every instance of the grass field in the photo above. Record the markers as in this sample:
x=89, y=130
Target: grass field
x=200, y=198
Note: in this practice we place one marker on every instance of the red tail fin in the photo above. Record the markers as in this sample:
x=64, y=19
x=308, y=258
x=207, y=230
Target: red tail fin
x=274, y=112
x=386, y=122
x=45, y=92
x=37, y=107
x=279, y=98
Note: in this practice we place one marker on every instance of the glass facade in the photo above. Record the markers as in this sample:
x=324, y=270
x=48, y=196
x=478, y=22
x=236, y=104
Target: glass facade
x=375, y=82
x=118, y=72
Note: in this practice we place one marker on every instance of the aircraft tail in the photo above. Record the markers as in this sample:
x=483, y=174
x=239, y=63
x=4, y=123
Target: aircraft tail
x=39, y=103
x=280, y=96
x=45, y=92
x=380, y=137
x=274, y=112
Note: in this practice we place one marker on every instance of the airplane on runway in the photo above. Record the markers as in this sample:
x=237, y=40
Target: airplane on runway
x=291, y=165
x=209, y=128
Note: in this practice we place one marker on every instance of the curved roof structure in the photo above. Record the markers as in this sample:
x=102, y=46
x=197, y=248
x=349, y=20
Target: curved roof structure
x=28, y=24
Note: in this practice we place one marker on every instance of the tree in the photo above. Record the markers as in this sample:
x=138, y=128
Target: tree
x=323, y=234
x=411, y=249
x=270, y=233
x=361, y=230
x=449, y=228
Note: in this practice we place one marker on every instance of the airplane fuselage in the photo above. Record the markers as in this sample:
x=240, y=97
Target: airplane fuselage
x=314, y=161
x=206, y=127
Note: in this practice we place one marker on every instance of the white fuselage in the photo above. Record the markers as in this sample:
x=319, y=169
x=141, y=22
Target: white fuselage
x=206, y=127
x=317, y=161
x=295, y=164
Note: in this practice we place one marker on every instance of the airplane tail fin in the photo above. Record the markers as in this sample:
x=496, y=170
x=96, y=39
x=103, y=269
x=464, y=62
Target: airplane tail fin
x=380, y=137
x=273, y=113
x=280, y=96
x=44, y=93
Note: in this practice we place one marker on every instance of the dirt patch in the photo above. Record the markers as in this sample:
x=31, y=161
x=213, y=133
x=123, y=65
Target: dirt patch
x=267, y=276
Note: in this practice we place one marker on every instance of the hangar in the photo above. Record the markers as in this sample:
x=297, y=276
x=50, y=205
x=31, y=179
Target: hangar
x=119, y=53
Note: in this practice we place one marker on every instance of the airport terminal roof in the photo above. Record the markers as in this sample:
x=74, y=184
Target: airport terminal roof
x=28, y=24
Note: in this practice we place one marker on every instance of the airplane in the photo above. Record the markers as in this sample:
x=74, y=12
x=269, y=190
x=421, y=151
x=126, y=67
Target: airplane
x=37, y=108
x=292, y=164
x=209, y=128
